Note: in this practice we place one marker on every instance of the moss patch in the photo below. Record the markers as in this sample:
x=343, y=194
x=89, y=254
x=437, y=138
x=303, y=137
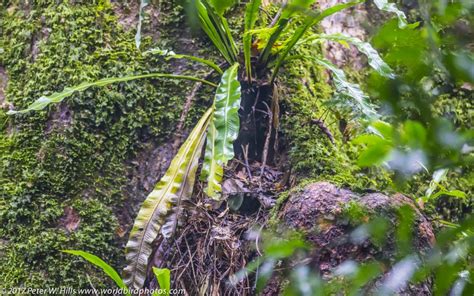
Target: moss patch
x=63, y=170
x=313, y=156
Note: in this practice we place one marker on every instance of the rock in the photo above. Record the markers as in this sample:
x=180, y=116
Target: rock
x=320, y=212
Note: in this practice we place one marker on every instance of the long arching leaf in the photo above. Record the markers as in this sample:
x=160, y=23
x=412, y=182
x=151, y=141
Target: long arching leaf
x=176, y=184
x=44, y=101
x=251, y=16
x=223, y=131
x=168, y=54
x=348, y=90
x=109, y=270
x=373, y=57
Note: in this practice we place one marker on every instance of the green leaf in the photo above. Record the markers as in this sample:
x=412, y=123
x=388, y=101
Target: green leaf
x=164, y=279
x=293, y=6
x=251, y=16
x=369, y=139
x=391, y=7
x=374, y=155
x=223, y=130
x=298, y=34
x=172, y=55
x=109, y=270
x=382, y=128
x=177, y=184
x=265, y=54
x=373, y=57
x=453, y=193
x=217, y=29
x=58, y=97
x=349, y=91
x=288, y=11
x=221, y=5
x=414, y=133
x=438, y=176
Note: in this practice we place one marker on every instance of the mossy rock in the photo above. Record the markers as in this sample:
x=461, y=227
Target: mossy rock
x=329, y=217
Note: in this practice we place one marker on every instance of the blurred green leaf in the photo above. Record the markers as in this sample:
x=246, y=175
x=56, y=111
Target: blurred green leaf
x=374, y=155
x=163, y=276
x=109, y=270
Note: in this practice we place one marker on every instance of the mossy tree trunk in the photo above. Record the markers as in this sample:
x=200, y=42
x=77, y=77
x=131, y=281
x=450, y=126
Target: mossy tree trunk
x=74, y=176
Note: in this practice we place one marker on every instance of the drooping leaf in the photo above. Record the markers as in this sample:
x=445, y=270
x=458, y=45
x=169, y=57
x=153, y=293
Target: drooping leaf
x=349, y=91
x=251, y=16
x=373, y=57
x=57, y=97
x=217, y=29
x=172, y=55
x=176, y=184
x=454, y=193
x=223, y=131
x=438, y=176
x=309, y=21
x=164, y=279
x=392, y=8
x=141, y=15
x=109, y=270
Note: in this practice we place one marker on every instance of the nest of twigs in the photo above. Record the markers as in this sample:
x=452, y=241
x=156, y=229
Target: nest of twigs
x=216, y=241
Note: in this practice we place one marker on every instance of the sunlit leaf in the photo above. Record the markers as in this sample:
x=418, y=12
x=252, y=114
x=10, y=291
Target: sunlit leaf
x=177, y=184
x=391, y=7
x=251, y=16
x=399, y=276
x=163, y=276
x=373, y=57
x=349, y=91
x=109, y=270
x=438, y=176
x=141, y=15
x=44, y=101
x=223, y=130
x=172, y=55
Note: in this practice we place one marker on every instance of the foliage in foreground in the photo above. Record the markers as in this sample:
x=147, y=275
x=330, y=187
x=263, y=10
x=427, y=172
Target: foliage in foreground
x=269, y=58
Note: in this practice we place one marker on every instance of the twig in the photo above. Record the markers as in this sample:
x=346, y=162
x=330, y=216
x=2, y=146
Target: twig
x=277, y=16
x=245, y=151
x=267, y=140
x=90, y=283
x=186, y=108
x=190, y=260
x=324, y=129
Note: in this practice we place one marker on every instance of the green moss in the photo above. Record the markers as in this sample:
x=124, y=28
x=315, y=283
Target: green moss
x=73, y=155
x=355, y=213
x=313, y=156
x=458, y=109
